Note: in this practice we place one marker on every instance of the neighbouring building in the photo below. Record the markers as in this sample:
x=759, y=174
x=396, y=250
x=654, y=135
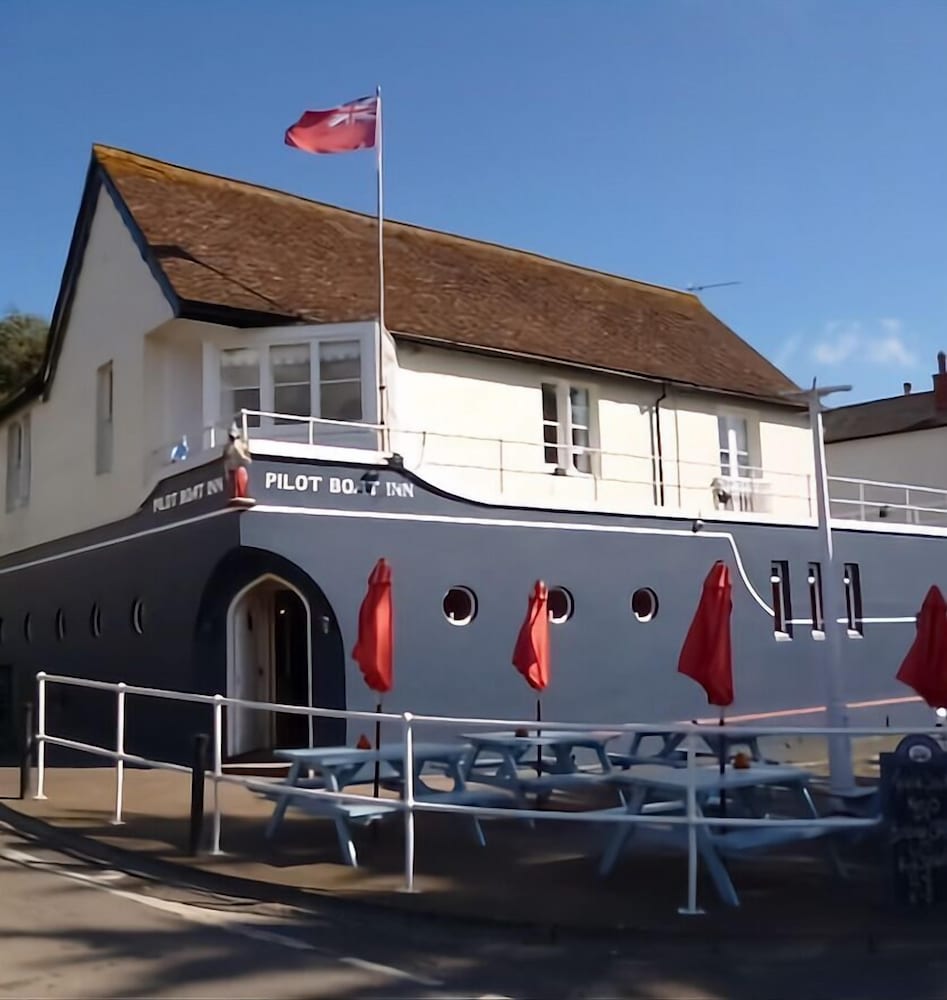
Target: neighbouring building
x=886, y=457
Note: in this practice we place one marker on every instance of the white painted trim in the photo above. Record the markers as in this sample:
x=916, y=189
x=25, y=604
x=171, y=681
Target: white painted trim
x=889, y=529
x=616, y=529
x=231, y=644
x=267, y=447
x=114, y=541
x=899, y=620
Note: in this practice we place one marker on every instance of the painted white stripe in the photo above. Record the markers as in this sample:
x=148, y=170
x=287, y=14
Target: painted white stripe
x=784, y=713
x=242, y=924
x=388, y=970
x=116, y=541
x=901, y=620
x=499, y=522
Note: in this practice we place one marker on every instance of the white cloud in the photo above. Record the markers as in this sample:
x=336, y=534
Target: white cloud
x=891, y=350
x=840, y=341
x=883, y=344
x=788, y=350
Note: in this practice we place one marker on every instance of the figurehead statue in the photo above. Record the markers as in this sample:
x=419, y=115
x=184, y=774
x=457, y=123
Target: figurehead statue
x=236, y=459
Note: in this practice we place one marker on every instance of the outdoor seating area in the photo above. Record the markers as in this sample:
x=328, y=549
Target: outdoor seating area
x=562, y=770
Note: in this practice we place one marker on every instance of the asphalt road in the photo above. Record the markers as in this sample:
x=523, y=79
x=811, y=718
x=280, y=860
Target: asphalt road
x=71, y=928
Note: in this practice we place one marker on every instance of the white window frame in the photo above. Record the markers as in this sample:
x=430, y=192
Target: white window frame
x=566, y=451
x=732, y=468
x=19, y=461
x=104, y=418
x=262, y=341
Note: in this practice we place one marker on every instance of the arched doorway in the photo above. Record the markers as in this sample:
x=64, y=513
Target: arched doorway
x=269, y=658
x=247, y=578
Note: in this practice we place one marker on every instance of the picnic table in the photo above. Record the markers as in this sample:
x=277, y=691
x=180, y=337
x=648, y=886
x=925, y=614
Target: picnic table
x=716, y=739
x=663, y=788
x=341, y=767
x=499, y=759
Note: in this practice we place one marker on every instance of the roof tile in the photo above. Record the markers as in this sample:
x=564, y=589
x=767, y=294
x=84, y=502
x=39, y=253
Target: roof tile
x=235, y=245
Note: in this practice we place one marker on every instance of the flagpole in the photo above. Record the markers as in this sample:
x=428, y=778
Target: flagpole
x=381, y=265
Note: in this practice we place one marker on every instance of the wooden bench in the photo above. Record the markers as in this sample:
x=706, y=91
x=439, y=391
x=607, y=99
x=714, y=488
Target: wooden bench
x=342, y=813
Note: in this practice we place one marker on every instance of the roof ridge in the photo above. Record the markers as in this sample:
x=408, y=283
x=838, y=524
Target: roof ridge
x=140, y=159
x=881, y=399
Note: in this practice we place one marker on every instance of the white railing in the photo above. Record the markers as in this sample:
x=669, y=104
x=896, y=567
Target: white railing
x=408, y=804
x=875, y=500
x=515, y=471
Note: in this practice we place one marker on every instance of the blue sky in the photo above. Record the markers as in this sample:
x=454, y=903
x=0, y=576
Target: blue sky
x=796, y=146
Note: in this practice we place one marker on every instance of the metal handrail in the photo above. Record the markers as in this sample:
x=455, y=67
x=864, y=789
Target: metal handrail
x=409, y=805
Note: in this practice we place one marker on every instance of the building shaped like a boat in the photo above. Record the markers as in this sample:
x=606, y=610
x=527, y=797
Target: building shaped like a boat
x=516, y=418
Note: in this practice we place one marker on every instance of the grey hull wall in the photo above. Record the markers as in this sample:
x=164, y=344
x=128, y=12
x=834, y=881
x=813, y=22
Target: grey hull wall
x=186, y=555
x=606, y=665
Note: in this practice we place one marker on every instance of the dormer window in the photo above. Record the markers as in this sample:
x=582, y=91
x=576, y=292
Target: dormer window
x=240, y=383
x=308, y=378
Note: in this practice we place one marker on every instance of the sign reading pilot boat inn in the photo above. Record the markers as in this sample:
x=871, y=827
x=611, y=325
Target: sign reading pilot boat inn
x=299, y=482
x=169, y=500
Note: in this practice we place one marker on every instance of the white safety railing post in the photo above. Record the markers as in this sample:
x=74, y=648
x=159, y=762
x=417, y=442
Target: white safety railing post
x=218, y=770
x=408, y=802
x=312, y=430
x=120, y=751
x=691, y=909
x=500, y=463
x=41, y=736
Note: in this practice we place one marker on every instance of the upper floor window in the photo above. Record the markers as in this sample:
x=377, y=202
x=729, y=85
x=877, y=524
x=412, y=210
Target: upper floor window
x=279, y=379
x=340, y=380
x=567, y=426
x=240, y=383
x=734, y=447
x=18, y=463
x=104, y=419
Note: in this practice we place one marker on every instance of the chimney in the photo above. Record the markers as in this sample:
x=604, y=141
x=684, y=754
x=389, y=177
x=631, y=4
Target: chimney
x=907, y=388
x=940, y=383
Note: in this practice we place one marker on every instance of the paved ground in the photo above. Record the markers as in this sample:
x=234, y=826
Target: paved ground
x=544, y=875
x=69, y=928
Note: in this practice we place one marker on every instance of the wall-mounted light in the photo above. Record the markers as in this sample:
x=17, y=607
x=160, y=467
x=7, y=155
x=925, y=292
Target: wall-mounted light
x=324, y=623
x=697, y=525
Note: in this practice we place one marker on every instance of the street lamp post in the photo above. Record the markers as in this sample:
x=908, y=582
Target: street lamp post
x=841, y=774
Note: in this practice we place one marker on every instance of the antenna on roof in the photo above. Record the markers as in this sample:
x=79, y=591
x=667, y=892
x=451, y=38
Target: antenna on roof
x=718, y=284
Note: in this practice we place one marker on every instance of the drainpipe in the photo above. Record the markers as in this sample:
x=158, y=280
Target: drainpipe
x=657, y=450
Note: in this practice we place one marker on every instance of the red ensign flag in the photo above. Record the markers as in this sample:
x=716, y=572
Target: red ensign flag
x=338, y=130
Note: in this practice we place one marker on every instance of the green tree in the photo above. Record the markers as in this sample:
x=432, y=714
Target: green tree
x=22, y=343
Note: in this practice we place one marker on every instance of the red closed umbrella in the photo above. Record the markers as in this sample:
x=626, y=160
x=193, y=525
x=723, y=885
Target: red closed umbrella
x=925, y=666
x=531, y=653
x=706, y=655
x=376, y=631
x=376, y=638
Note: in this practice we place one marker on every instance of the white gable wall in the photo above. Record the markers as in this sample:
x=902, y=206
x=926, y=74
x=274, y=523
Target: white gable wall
x=117, y=300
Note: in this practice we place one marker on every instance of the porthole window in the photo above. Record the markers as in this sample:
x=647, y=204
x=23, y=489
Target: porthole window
x=644, y=604
x=138, y=616
x=60, y=624
x=95, y=621
x=460, y=605
x=28, y=627
x=561, y=605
